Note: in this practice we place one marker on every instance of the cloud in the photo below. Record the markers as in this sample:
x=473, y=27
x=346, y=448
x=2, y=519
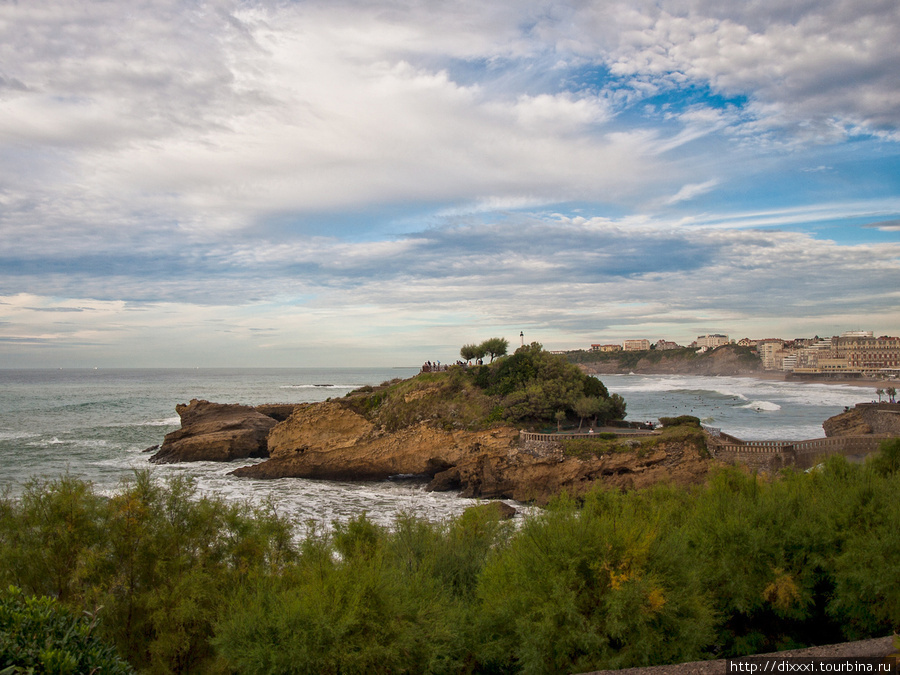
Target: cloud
x=886, y=226
x=690, y=191
x=818, y=69
x=407, y=170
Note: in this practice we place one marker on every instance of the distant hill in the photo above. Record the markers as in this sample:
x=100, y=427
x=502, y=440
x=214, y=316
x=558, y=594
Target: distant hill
x=725, y=360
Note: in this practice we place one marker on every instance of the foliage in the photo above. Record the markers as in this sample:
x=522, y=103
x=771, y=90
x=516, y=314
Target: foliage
x=681, y=420
x=604, y=586
x=594, y=446
x=40, y=635
x=534, y=385
x=529, y=387
x=180, y=582
x=155, y=558
x=495, y=347
x=472, y=352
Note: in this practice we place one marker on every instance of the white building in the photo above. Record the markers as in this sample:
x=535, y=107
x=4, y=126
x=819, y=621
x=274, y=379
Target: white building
x=712, y=341
x=636, y=345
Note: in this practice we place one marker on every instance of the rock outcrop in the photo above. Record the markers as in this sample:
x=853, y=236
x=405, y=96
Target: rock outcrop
x=726, y=360
x=530, y=477
x=216, y=432
x=328, y=440
x=865, y=418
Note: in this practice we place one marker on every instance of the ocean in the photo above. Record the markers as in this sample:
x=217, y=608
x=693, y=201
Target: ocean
x=97, y=424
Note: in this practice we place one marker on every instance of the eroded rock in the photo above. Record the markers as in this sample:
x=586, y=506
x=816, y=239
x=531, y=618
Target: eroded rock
x=864, y=419
x=216, y=432
x=330, y=441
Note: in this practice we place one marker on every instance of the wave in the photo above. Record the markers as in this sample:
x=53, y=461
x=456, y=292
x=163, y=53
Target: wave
x=762, y=406
x=167, y=422
x=80, y=442
x=320, y=386
x=15, y=435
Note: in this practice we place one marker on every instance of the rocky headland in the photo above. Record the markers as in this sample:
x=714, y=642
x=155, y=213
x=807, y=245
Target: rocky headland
x=880, y=419
x=220, y=432
x=451, y=428
x=727, y=360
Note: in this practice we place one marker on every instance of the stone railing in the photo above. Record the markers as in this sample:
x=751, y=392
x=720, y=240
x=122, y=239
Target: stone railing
x=773, y=454
x=549, y=438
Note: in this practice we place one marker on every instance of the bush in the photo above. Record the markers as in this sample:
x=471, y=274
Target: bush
x=39, y=635
x=681, y=420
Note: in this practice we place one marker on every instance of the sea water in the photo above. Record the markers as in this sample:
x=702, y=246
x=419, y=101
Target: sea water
x=97, y=425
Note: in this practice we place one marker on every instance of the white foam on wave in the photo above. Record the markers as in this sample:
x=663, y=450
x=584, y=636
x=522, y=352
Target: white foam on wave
x=763, y=406
x=15, y=435
x=79, y=442
x=735, y=387
x=167, y=422
x=320, y=386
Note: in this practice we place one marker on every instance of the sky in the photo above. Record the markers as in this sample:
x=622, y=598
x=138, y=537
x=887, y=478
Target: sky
x=378, y=182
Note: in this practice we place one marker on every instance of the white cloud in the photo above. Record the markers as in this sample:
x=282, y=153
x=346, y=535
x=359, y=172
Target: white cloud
x=690, y=191
x=352, y=159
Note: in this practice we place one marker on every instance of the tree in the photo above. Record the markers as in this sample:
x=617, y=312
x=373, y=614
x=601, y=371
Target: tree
x=587, y=406
x=892, y=392
x=495, y=347
x=880, y=393
x=560, y=417
x=617, y=407
x=471, y=352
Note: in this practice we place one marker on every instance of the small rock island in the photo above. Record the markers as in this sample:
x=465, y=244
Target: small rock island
x=472, y=428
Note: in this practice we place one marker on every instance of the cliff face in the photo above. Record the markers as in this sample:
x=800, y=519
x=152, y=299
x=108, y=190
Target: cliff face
x=727, y=360
x=328, y=440
x=524, y=476
x=216, y=432
x=865, y=418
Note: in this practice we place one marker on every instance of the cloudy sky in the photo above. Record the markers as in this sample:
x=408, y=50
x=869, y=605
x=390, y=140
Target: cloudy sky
x=376, y=182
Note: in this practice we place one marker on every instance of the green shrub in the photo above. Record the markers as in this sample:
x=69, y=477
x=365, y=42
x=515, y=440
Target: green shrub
x=39, y=635
x=681, y=420
x=604, y=586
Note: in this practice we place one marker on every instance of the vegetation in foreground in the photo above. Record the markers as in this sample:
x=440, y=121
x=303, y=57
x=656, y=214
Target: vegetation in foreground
x=182, y=583
x=530, y=388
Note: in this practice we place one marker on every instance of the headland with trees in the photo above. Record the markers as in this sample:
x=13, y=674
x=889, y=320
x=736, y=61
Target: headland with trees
x=173, y=581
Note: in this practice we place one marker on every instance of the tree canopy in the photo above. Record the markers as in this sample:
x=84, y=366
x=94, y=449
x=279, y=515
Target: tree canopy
x=534, y=385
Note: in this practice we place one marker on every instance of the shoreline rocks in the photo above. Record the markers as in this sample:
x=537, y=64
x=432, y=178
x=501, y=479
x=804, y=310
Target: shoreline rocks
x=331, y=441
x=217, y=432
x=865, y=419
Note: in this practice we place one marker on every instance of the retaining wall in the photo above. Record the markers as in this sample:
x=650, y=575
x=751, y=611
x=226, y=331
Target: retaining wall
x=775, y=454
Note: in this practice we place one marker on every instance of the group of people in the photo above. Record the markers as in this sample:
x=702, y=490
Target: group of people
x=437, y=366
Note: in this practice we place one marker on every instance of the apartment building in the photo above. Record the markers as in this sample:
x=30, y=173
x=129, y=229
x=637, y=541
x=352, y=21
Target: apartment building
x=771, y=353
x=711, y=341
x=606, y=348
x=662, y=345
x=636, y=345
x=867, y=354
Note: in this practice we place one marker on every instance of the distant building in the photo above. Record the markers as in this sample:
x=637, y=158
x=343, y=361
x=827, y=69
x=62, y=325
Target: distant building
x=606, y=348
x=636, y=345
x=808, y=357
x=711, y=341
x=666, y=344
x=771, y=353
x=867, y=354
x=789, y=362
x=746, y=342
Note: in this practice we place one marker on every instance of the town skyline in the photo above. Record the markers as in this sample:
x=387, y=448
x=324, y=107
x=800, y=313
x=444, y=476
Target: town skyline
x=261, y=183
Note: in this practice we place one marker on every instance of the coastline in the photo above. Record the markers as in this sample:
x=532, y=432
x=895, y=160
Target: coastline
x=854, y=381
x=771, y=376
